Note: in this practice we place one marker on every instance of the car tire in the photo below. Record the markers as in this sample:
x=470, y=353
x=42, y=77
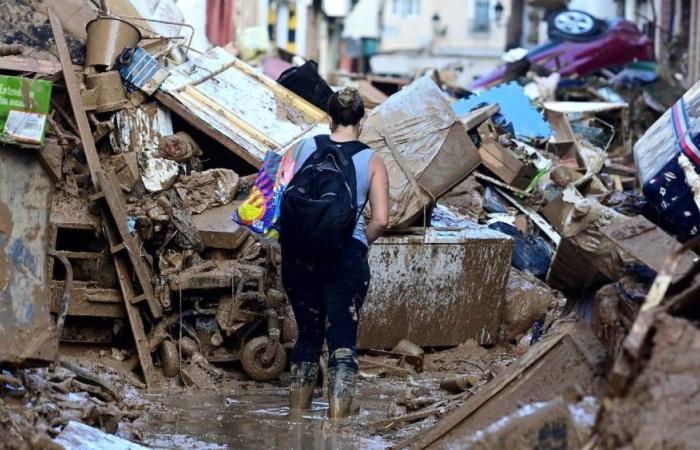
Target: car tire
x=574, y=25
x=254, y=367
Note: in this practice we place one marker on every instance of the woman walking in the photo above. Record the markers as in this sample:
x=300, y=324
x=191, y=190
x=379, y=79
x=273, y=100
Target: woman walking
x=325, y=240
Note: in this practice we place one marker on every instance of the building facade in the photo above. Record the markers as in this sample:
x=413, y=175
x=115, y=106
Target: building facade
x=432, y=33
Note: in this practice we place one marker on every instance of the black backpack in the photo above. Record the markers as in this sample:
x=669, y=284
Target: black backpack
x=307, y=84
x=319, y=208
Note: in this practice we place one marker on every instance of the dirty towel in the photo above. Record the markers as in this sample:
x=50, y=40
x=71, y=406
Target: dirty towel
x=203, y=190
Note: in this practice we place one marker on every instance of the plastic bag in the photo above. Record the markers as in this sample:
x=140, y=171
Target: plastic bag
x=261, y=210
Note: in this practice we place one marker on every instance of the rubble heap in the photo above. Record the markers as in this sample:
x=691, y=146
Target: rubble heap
x=37, y=404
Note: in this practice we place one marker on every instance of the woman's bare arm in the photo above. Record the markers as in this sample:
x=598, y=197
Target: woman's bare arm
x=378, y=199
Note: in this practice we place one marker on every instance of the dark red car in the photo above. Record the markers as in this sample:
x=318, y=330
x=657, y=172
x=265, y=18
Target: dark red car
x=580, y=45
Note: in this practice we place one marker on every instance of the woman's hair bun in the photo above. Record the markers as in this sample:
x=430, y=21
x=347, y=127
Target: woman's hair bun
x=346, y=107
x=349, y=97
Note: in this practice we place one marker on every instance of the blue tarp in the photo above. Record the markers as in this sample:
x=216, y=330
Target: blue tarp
x=527, y=123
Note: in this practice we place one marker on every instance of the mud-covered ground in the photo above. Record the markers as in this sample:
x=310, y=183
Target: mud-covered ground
x=394, y=401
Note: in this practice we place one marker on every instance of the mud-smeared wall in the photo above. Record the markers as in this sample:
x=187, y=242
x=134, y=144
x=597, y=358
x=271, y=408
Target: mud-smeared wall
x=27, y=334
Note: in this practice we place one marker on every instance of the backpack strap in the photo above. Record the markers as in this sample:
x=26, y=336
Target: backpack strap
x=323, y=141
x=348, y=149
x=352, y=148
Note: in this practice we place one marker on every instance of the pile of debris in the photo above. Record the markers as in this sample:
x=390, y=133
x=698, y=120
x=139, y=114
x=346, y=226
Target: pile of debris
x=40, y=404
x=135, y=214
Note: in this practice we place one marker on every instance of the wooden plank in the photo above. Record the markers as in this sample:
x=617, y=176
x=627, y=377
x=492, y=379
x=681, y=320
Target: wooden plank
x=484, y=395
x=76, y=99
x=571, y=356
x=28, y=64
x=88, y=301
x=536, y=218
x=51, y=159
x=114, y=197
x=117, y=248
x=175, y=106
x=494, y=181
x=81, y=255
x=133, y=312
x=475, y=118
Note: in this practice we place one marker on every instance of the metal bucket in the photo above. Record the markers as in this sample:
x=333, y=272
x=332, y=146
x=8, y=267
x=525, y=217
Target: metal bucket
x=107, y=37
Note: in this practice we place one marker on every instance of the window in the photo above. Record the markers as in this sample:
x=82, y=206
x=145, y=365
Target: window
x=481, y=16
x=405, y=8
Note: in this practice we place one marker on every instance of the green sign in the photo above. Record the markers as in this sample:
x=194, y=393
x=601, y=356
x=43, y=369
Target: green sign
x=24, y=95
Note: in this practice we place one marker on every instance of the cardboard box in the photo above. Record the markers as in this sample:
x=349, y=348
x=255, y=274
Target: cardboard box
x=564, y=143
x=24, y=106
x=504, y=162
x=559, y=208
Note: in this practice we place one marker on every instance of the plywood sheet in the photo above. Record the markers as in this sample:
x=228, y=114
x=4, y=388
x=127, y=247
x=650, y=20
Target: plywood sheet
x=250, y=110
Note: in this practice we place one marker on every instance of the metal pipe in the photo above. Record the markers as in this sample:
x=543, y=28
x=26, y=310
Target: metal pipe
x=67, y=286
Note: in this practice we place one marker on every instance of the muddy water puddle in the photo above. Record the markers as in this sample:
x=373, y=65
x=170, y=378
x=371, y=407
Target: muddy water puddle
x=261, y=420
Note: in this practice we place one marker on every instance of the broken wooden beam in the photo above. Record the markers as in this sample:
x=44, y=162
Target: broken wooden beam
x=26, y=64
x=535, y=217
x=76, y=98
x=475, y=118
x=572, y=356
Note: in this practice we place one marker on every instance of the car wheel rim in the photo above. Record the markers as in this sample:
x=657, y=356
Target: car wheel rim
x=574, y=22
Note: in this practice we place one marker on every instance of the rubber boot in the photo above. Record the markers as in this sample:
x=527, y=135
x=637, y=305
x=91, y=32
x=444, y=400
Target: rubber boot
x=303, y=382
x=341, y=389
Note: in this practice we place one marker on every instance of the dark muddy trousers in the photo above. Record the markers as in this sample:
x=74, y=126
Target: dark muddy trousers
x=326, y=296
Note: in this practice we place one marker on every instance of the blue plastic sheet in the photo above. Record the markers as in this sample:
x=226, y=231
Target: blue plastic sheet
x=531, y=253
x=493, y=202
x=516, y=111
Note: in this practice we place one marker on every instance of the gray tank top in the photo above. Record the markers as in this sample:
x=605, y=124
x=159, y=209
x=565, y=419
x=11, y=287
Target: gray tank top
x=361, y=161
